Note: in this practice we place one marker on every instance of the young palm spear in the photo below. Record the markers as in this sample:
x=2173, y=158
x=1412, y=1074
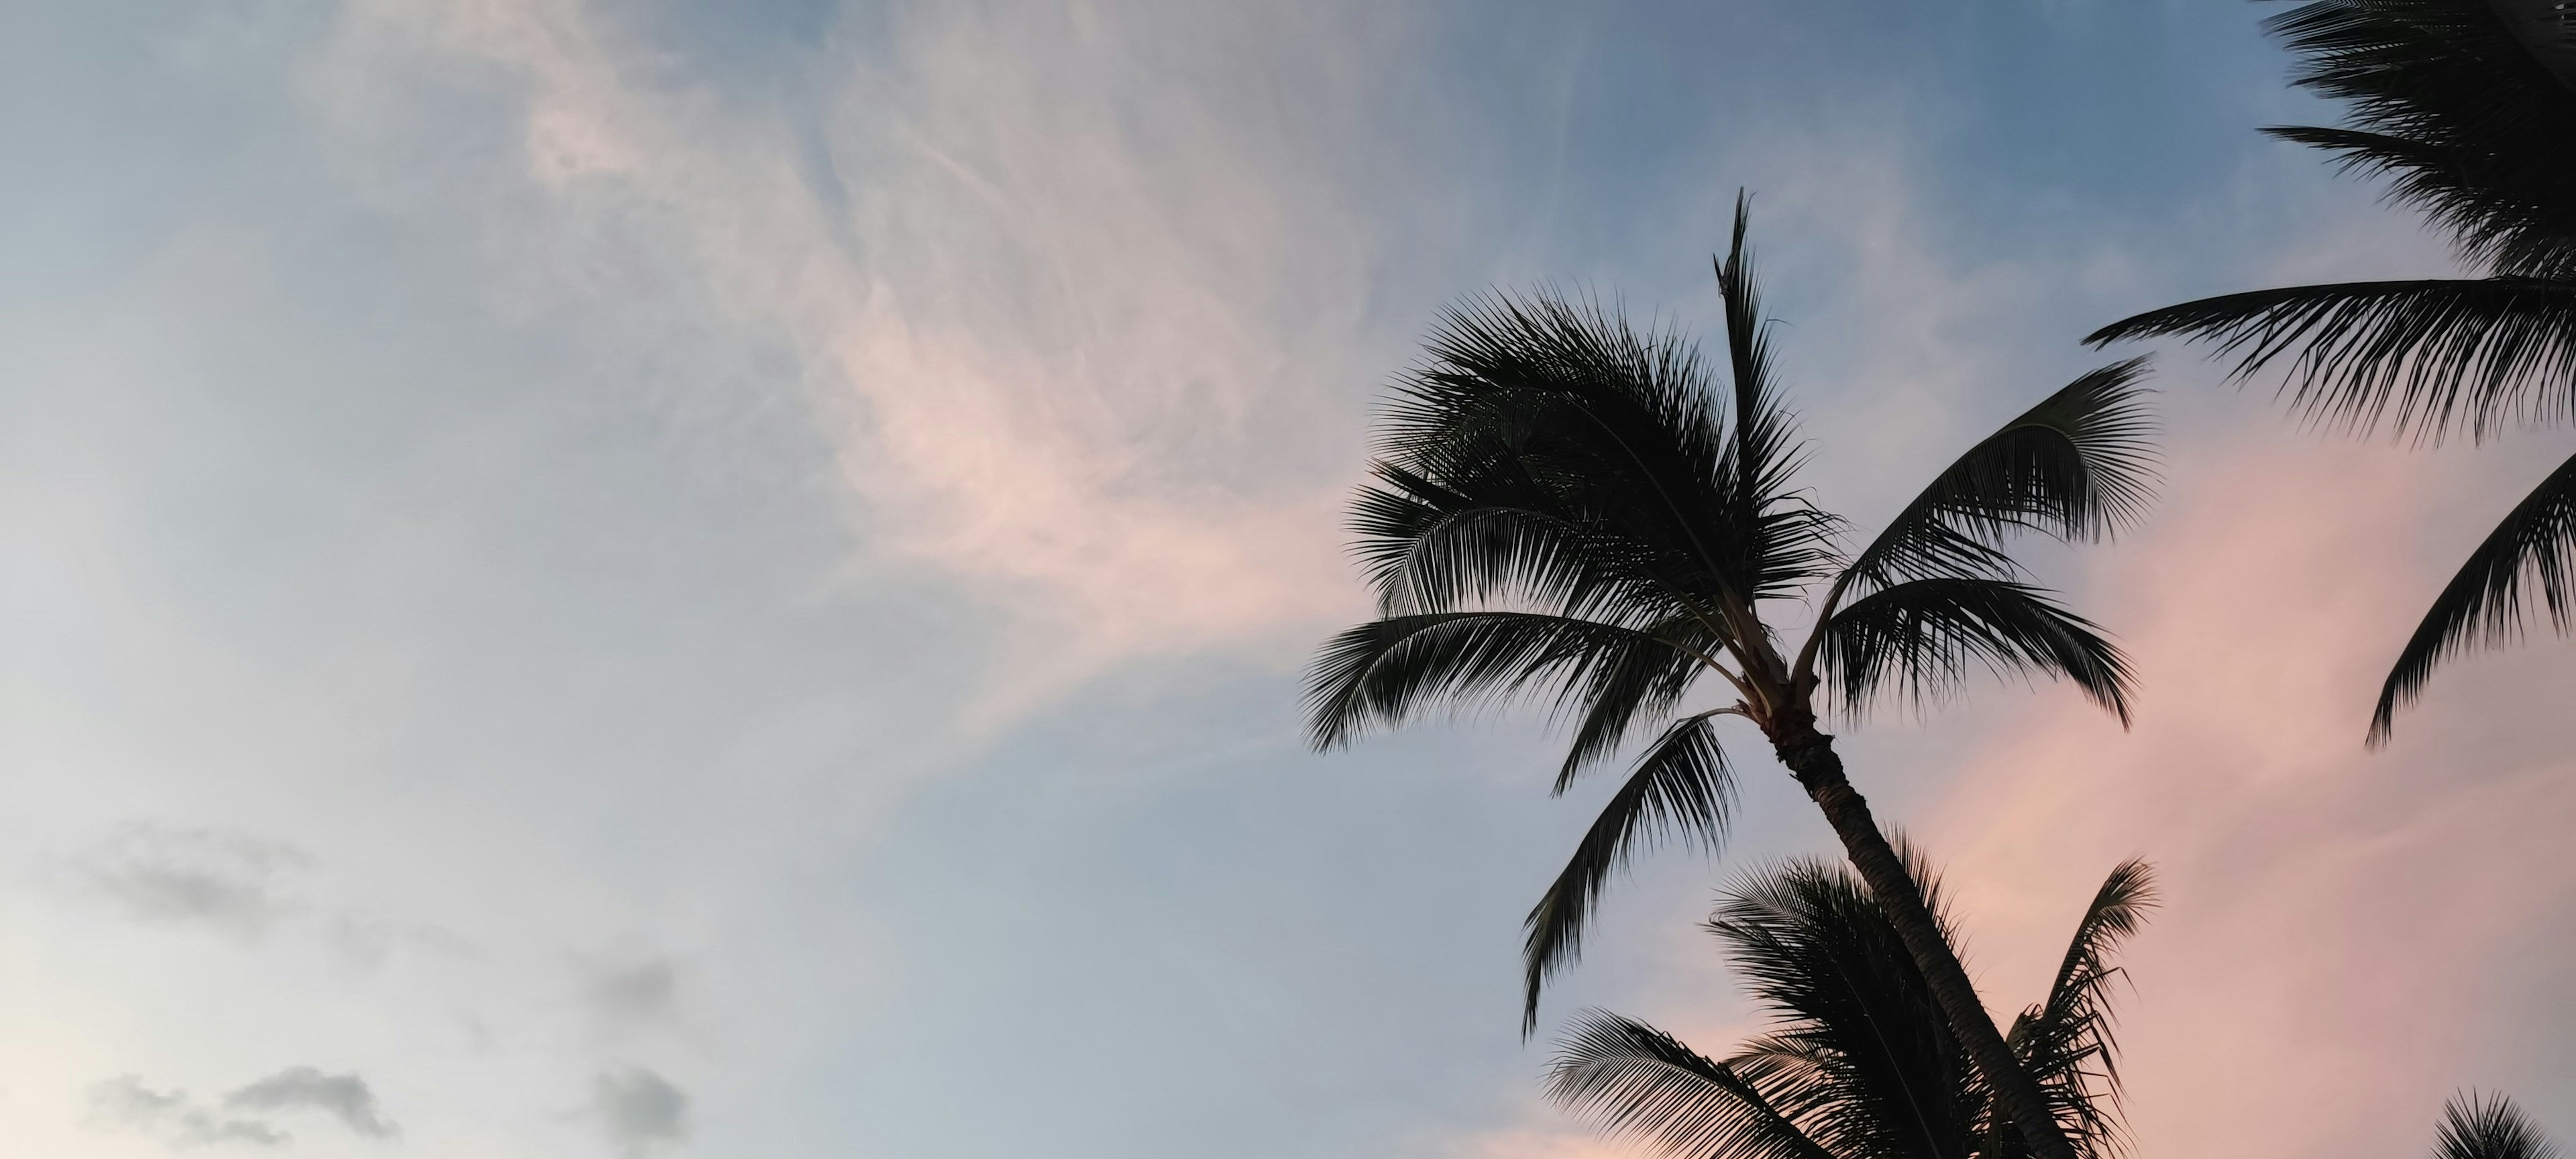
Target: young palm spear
x=1566, y=508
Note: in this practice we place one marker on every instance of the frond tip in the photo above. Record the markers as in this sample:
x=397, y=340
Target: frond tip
x=2489, y=1128
x=2485, y=601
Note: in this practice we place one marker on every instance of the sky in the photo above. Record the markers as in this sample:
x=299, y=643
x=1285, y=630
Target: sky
x=657, y=578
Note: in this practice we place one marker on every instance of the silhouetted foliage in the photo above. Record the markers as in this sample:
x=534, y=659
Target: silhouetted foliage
x=1567, y=510
x=2468, y=121
x=1860, y=1061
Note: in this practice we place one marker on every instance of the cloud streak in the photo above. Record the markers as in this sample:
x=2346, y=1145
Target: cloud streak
x=1066, y=333
x=345, y=1097
x=172, y=1117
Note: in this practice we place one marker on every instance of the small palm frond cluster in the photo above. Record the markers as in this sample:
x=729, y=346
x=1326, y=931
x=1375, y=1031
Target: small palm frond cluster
x=2464, y=108
x=1568, y=510
x=1861, y=1062
x=2489, y=1128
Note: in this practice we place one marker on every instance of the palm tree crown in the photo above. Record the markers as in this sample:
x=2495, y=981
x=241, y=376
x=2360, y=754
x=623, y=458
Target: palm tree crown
x=1860, y=1061
x=2464, y=106
x=1569, y=510
x=2489, y=1128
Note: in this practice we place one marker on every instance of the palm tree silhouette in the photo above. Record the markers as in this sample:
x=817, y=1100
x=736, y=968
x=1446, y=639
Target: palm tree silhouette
x=1860, y=1062
x=2466, y=106
x=2489, y=1128
x=1566, y=509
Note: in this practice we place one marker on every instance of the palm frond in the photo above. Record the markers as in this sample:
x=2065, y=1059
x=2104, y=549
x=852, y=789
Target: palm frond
x=1919, y=636
x=2076, y=466
x=2489, y=1128
x=1681, y=786
x=2467, y=118
x=1553, y=406
x=1635, y=687
x=2426, y=357
x=1638, y=1081
x=2484, y=603
x=2066, y=1042
x=1865, y=1061
x=1787, y=541
x=1384, y=672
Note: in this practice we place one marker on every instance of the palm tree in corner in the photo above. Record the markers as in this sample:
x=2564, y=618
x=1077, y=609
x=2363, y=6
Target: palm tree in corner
x=2489, y=1128
x=2468, y=106
x=1859, y=1063
x=1565, y=508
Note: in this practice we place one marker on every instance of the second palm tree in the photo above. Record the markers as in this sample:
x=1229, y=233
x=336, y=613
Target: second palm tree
x=1567, y=508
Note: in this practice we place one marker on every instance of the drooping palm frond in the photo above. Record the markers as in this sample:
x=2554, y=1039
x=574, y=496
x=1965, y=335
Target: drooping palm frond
x=1681, y=786
x=1427, y=547
x=2425, y=357
x=1638, y=1081
x=1549, y=406
x=1383, y=672
x=2468, y=119
x=2066, y=1041
x=2489, y=1128
x=2485, y=601
x=2076, y=466
x=1920, y=636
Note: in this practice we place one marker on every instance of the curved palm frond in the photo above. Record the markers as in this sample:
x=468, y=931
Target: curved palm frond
x=1636, y=687
x=1681, y=785
x=2425, y=356
x=2076, y=466
x=2066, y=1042
x=1920, y=636
x=1636, y=1080
x=1551, y=406
x=2489, y=1128
x=1429, y=548
x=2484, y=602
x=1385, y=671
x=2466, y=113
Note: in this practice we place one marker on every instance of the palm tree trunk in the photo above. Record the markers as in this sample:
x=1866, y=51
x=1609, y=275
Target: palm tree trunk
x=1810, y=755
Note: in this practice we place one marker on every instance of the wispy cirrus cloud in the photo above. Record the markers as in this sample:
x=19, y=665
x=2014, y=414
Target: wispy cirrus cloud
x=1069, y=334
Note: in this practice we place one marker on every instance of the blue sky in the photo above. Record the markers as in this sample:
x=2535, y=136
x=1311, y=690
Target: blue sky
x=670, y=578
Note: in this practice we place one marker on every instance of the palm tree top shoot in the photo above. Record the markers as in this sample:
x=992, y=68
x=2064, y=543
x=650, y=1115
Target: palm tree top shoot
x=1859, y=1062
x=2489, y=1127
x=2466, y=108
x=1567, y=510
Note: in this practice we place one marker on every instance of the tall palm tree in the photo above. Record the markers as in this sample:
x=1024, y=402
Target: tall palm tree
x=1860, y=1064
x=2489, y=1128
x=1565, y=508
x=2467, y=107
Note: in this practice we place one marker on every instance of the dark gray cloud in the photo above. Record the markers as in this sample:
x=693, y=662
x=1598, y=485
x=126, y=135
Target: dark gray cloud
x=640, y=1110
x=636, y=995
x=172, y=1117
x=226, y=880
x=343, y=1096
